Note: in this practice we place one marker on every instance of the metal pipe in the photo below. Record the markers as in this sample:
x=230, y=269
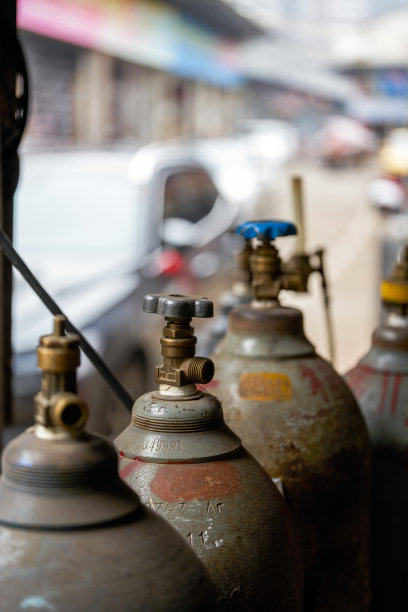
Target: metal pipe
x=298, y=211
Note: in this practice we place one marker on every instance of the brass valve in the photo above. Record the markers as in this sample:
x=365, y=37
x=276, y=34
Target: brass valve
x=299, y=267
x=265, y=263
x=266, y=269
x=180, y=365
x=57, y=405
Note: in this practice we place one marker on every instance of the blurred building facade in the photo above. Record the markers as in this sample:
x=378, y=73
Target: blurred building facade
x=375, y=56
x=130, y=70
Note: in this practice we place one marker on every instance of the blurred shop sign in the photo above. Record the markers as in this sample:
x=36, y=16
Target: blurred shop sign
x=147, y=33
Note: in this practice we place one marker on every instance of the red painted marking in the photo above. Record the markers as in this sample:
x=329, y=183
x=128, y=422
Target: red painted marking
x=196, y=481
x=406, y=423
x=386, y=378
x=394, y=400
x=130, y=466
x=317, y=386
x=211, y=385
x=357, y=379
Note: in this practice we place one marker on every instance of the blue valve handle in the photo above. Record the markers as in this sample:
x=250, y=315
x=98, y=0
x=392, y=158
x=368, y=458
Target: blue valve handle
x=266, y=230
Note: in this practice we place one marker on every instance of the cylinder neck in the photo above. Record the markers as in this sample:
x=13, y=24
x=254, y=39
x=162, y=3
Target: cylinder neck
x=177, y=428
x=394, y=289
x=271, y=332
x=392, y=335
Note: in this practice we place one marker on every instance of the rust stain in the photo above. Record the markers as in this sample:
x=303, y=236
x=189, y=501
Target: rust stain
x=265, y=386
x=196, y=481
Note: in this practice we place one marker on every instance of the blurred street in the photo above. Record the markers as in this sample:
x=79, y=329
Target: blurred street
x=159, y=127
x=339, y=218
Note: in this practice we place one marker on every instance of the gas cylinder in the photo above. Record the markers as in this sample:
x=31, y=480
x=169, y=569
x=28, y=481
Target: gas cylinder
x=380, y=382
x=186, y=464
x=299, y=419
x=73, y=536
x=240, y=293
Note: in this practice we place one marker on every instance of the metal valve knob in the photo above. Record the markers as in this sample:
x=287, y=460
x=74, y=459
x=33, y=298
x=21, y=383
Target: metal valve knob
x=266, y=230
x=178, y=306
x=180, y=365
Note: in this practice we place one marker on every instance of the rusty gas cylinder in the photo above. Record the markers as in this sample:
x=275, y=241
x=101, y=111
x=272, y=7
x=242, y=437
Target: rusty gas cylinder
x=380, y=383
x=186, y=464
x=299, y=419
x=73, y=536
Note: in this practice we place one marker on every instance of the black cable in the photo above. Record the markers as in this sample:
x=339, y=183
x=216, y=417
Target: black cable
x=53, y=307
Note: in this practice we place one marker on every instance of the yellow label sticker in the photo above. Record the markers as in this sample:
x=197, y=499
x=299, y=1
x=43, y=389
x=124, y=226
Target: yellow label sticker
x=265, y=387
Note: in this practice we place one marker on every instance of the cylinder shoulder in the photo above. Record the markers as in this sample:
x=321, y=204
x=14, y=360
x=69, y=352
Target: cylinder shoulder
x=261, y=332
x=133, y=567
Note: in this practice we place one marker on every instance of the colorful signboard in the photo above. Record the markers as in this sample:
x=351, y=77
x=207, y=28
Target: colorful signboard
x=147, y=33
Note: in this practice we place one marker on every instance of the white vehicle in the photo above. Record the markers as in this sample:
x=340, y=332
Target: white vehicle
x=102, y=228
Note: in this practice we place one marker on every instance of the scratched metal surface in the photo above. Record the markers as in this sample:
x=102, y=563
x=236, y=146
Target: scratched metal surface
x=380, y=383
x=223, y=504
x=298, y=418
x=74, y=537
x=141, y=566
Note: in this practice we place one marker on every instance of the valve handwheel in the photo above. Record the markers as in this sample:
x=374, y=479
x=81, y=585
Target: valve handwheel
x=266, y=230
x=178, y=306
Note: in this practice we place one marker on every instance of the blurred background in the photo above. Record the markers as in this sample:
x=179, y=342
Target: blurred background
x=156, y=127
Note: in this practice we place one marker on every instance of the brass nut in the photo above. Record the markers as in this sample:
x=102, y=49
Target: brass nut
x=177, y=332
x=57, y=360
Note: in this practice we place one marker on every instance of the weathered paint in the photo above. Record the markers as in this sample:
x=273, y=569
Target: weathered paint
x=380, y=381
x=265, y=386
x=226, y=508
x=316, y=443
x=178, y=483
x=134, y=566
x=37, y=602
x=74, y=537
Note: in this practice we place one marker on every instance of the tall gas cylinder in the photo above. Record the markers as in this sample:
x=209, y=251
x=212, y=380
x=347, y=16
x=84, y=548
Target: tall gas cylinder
x=299, y=419
x=240, y=293
x=380, y=383
x=185, y=463
x=73, y=536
